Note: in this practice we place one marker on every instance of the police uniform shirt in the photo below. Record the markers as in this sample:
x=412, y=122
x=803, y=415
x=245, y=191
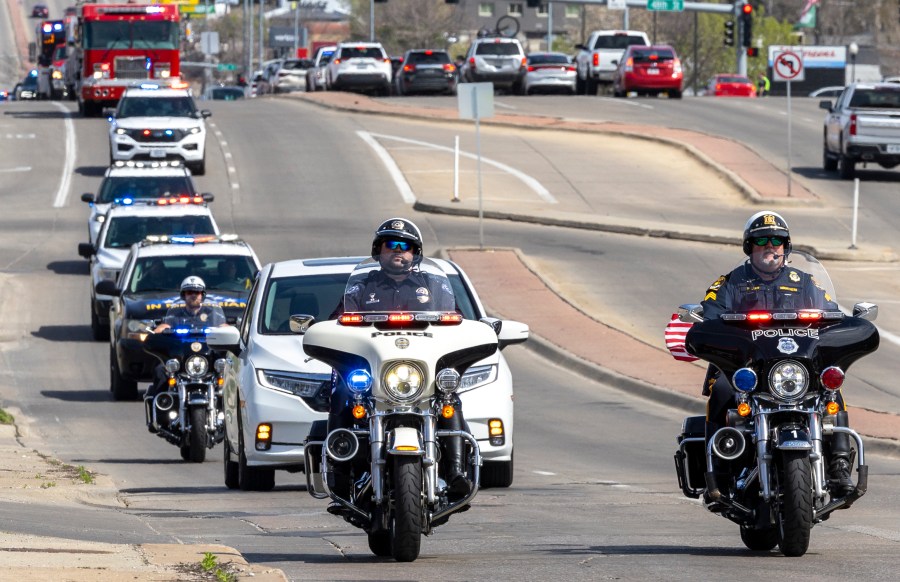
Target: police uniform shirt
x=207, y=316
x=417, y=292
x=743, y=290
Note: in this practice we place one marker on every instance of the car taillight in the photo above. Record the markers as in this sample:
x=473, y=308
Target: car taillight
x=409, y=68
x=596, y=60
x=449, y=67
x=629, y=65
x=531, y=68
x=570, y=68
x=677, y=66
x=853, y=124
x=472, y=62
x=337, y=61
x=524, y=63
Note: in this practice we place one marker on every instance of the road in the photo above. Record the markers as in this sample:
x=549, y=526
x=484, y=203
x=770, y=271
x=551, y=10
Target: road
x=595, y=495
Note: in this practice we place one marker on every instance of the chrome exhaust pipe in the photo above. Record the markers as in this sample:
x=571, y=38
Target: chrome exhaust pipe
x=341, y=445
x=728, y=443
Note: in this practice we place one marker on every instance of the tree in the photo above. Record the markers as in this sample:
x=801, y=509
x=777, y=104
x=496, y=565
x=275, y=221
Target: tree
x=406, y=24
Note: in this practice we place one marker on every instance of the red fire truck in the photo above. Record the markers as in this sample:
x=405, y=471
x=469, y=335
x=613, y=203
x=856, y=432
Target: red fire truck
x=118, y=45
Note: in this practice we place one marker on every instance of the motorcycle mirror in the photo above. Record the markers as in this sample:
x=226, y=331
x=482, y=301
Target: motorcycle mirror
x=865, y=310
x=496, y=324
x=513, y=332
x=690, y=313
x=225, y=337
x=107, y=287
x=300, y=323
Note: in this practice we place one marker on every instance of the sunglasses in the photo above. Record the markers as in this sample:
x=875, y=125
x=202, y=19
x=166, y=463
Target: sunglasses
x=189, y=292
x=762, y=241
x=397, y=245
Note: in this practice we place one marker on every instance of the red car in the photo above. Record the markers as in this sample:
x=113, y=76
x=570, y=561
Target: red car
x=40, y=11
x=731, y=86
x=649, y=70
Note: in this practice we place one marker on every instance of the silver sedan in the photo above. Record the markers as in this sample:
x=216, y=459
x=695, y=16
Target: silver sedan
x=550, y=73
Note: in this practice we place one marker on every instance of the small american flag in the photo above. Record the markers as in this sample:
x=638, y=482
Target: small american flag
x=676, y=332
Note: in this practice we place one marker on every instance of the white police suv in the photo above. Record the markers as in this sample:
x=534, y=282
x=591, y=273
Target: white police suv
x=127, y=224
x=156, y=123
x=127, y=182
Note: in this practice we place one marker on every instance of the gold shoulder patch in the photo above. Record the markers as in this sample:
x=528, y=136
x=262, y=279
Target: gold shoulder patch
x=793, y=276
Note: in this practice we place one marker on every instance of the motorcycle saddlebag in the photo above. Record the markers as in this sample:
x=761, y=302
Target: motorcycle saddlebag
x=690, y=458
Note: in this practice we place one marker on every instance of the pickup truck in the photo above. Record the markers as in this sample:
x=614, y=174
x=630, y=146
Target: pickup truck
x=862, y=127
x=598, y=58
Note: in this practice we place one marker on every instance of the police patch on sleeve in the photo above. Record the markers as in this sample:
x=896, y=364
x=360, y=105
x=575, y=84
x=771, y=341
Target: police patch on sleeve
x=423, y=295
x=793, y=276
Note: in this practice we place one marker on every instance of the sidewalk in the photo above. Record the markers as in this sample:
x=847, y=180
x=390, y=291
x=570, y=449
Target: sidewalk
x=573, y=337
x=28, y=477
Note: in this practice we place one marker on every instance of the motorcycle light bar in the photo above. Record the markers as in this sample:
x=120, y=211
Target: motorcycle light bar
x=188, y=239
x=765, y=316
x=445, y=318
x=173, y=200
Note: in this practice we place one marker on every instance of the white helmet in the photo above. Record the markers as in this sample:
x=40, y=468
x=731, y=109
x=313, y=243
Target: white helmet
x=193, y=283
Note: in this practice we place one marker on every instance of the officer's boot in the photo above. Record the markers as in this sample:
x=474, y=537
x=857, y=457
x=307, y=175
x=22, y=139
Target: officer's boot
x=839, y=467
x=148, y=411
x=457, y=481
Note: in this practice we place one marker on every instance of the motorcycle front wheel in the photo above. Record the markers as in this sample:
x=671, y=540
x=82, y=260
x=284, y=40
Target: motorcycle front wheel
x=759, y=540
x=796, y=503
x=406, y=533
x=197, y=443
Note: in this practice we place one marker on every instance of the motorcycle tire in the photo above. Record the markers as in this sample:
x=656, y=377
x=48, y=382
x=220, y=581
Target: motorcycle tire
x=231, y=467
x=796, y=503
x=406, y=531
x=249, y=478
x=759, y=540
x=121, y=388
x=197, y=443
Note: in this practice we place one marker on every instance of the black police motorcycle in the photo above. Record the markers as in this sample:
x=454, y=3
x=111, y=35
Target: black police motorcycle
x=189, y=414
x=766, y=468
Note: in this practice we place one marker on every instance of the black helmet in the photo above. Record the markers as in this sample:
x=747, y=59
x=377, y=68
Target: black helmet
x=766, y=223
x=193, y=283
x=398, y=229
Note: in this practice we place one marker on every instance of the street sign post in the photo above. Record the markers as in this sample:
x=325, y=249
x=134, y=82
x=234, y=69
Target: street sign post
x=226, y=67
x=788, y=67
x=666, y=5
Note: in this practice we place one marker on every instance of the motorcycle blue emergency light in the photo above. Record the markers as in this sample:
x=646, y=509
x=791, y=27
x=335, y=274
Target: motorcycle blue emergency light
x=359, y=380
x=182, y=330
x=744, y=380
x=127, y=201
x=181, y=239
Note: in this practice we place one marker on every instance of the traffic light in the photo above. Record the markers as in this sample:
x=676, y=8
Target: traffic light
x=729, y=33
x=533, y=3
x=746, y=25
x=752, y=51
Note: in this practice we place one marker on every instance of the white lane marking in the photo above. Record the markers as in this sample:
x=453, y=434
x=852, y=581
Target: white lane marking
x=391, y=166
x=68, y=161
x=229, y=160
x=19, y=169
x=503, y=105
x=547, y=473
x=536, y=186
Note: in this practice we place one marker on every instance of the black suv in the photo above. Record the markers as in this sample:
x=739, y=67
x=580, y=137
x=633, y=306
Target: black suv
x=424, y=70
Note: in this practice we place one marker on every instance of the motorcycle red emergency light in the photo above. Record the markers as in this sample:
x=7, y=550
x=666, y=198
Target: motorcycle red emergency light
x=401, y=317
x=759, y=316
x=451, y=318
x=359, y=412
x=832, y=378
x=810, y=315
x=350, y=319
x=447, y=411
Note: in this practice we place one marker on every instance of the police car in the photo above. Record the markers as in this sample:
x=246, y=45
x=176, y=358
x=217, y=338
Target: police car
x=149, y=284
x=155, y=123
x=127, y=224
x=272, y=395
x=127, y=182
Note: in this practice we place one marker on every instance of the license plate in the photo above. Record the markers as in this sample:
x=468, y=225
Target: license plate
x=362, y=66
x=157, y=153
x=652, y=71
x=893, y=149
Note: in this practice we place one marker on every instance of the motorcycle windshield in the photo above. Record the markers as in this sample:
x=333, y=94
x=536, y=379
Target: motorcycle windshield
x=802, y=322
x=396, y=284
x=177, y=343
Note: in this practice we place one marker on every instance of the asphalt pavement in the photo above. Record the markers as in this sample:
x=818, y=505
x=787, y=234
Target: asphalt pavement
x=561, y=331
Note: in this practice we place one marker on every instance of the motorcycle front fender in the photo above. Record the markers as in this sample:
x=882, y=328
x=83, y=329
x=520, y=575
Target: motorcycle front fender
x=404, y=440
x=793, y=438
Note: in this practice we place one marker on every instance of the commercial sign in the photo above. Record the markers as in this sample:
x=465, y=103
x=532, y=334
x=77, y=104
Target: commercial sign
x=814, y=57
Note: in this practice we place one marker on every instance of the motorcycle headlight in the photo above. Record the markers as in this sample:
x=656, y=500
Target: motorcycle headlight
x=403, y=381
x=290, y=382
x=138, y=328
x=220, y=365
x=196, y=366
x=478, y=376
x=788, y=380
x=172, y=365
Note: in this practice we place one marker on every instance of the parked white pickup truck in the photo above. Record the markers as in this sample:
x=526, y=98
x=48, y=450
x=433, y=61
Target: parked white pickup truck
x=862, y=127
x=598, y=58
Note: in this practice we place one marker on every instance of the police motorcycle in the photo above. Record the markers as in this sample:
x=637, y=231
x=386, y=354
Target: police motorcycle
x=189, y=413
x=766, y=469
x=401, y=370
